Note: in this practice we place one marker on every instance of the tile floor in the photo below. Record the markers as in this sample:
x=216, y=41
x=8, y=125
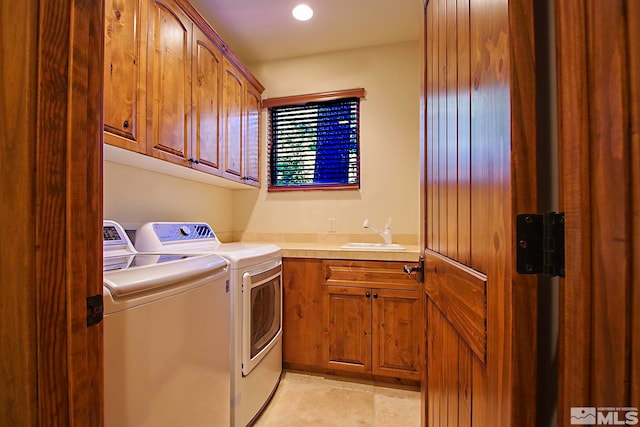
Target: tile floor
x=316, y=400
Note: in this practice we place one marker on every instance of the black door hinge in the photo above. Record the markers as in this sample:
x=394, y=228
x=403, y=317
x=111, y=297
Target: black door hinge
x=95, y=310
x=540, y=244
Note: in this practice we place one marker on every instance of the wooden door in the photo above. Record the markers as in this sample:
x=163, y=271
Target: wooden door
x=207, y=95
x=479, y=173
x=347, y=323
x=251, y=135
x=125, y=38
x=169, y=61
x=396, y=333
x=598, y=47
x=233, y=92
x=51, y=211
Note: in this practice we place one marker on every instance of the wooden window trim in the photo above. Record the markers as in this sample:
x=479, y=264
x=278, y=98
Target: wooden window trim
x=313, y=97
x=302, y=100
x=313, y=188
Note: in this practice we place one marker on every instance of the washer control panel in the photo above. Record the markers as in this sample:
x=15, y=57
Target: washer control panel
x=182, y=232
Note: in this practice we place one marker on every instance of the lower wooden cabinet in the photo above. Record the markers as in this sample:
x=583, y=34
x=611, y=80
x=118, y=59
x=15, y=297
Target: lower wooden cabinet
x=356, y=317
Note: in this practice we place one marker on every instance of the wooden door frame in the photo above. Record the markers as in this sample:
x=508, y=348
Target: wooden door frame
x=598, y=46
x=52, y=161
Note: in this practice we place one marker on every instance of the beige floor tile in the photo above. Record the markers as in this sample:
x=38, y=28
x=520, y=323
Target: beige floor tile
x=396, y=411
x=326, y=401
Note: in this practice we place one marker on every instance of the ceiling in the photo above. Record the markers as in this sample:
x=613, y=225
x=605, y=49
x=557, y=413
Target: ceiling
x=264, y=30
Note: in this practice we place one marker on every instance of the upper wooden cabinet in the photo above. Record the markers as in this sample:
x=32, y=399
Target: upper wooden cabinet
x=240, y=127
x=174, y=91
x=207, y=62
x=251, y=135
x=124, y=74
x=232, y=110
x=169, y=86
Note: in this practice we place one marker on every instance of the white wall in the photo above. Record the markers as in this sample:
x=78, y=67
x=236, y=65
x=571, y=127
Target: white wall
x=389, y=144
x=133, y=196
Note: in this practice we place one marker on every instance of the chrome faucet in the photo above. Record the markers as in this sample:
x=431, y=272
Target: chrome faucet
x=386, y=234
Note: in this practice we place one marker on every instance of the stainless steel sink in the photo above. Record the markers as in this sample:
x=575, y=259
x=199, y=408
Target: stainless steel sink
x=374, y=247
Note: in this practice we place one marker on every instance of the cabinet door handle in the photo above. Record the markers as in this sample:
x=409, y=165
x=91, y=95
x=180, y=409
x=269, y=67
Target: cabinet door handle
x=375, y=295
x=367, y=295
x=125, y=124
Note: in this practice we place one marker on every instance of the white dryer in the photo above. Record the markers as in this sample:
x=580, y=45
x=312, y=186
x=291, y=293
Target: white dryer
x=166, y=336
x=256, y=310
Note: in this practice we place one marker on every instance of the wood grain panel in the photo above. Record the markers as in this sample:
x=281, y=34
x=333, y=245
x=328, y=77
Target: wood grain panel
x=610, y=149
x=442, y=129
x=574, y=159
x=206, y=98
x=251, y=135
x=599, y=161
x=302, y=311
x=461, y=295
x=397, y=332
x=347, y=333
x=491, y=150
x=83, y=234
x=434, y=364
x=451, y=374
x=524, y=186
x=69, y=211
x=429, y=119
x=481, y=395
x=464, y=134
x=451, y=141
x=465, y=386
x=124, y=95
x=435, y=94
x=449, y=388
x=170, y=89
x=233, y=90
x=633, y=40
x=378, y=274
x=18, y=95
x=53, y=373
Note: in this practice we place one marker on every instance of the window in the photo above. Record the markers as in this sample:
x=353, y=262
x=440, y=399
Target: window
x=314, y=141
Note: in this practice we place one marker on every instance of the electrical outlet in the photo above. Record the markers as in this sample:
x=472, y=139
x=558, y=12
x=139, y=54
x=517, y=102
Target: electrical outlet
x=332, y=225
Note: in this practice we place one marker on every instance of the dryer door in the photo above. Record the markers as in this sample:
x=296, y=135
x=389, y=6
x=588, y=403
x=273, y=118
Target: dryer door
x=261, y=315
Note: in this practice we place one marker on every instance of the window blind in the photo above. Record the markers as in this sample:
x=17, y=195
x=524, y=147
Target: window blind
x=315, y=145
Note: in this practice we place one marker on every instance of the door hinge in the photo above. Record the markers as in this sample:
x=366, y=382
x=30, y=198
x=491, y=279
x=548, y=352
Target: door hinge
x=95, y=310
x=540, y=244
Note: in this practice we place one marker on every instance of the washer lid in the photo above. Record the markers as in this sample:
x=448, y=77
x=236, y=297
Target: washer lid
x=125, y=275
x=242, y=255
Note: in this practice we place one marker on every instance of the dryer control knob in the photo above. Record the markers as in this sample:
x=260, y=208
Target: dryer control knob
x=185, y=230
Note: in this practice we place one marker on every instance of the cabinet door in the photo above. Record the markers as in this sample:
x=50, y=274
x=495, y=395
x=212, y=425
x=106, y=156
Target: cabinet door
x=251, y=133
x=207, y=94
x=302, y=312
x=124, y=83
x=233, y=90
x=347, y=334
x=170, y=88
x=397, y=324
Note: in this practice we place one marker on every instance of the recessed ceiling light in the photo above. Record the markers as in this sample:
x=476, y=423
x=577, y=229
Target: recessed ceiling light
x=302, y=12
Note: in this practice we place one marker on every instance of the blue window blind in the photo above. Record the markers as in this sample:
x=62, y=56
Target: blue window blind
x=315, y=145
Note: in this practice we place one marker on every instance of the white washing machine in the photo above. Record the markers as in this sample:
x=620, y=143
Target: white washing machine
x=256, y=294
x=166, y=336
